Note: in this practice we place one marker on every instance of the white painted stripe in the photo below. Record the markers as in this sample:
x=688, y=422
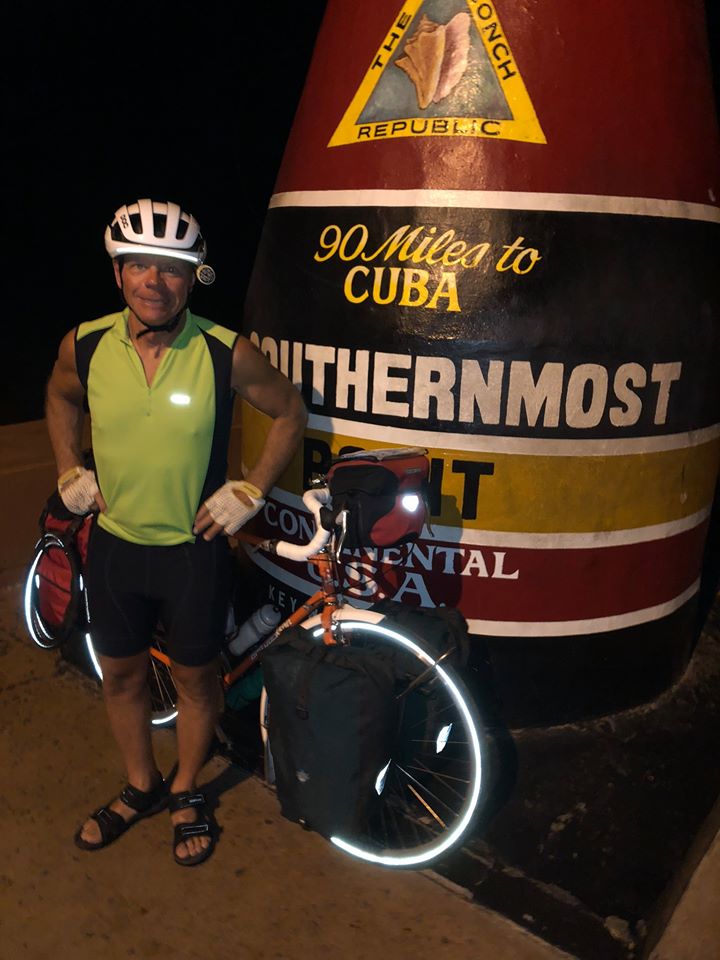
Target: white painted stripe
x=568, y=541
x=533, y=541
x=500, y=200
x=568, y=628
x=523, y=446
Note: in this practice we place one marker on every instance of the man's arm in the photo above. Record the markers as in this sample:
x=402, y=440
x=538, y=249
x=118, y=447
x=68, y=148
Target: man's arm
x=269, y=391
x=257, y=381
x=64, y=415
x=64, y=408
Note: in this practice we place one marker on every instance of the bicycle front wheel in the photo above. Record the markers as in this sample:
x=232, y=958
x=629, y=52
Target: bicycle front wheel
x=430, y=789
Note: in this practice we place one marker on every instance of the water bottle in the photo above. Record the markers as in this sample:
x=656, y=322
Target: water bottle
x=257, y=626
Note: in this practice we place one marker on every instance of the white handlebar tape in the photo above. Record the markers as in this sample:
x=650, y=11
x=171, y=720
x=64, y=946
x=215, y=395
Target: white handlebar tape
x=78, y=488
x=228, y=510
x=313, y=499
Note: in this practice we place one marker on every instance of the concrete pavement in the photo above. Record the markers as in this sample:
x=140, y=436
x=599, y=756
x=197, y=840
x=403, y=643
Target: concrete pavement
x=271, y=890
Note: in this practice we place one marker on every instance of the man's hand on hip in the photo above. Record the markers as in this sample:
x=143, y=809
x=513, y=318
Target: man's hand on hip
x=79, y=491
x=228, y=509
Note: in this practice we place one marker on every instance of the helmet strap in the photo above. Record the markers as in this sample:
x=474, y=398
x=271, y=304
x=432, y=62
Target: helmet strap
x=170, y=325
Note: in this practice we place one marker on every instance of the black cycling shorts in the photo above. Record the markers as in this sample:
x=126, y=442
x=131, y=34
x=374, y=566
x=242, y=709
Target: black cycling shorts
x=131, y=587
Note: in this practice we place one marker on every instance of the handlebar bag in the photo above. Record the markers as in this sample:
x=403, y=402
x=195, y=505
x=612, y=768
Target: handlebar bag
x=331, y=717
x=385, y=494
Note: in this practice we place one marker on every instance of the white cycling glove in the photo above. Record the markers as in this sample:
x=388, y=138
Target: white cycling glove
x=78, y=488
x=228, y=510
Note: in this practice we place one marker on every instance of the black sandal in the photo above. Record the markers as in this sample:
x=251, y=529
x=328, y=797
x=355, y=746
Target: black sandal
x=113, y=825
x=201, y=826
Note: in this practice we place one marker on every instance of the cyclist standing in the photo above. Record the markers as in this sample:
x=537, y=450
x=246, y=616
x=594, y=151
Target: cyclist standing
x=159, y=383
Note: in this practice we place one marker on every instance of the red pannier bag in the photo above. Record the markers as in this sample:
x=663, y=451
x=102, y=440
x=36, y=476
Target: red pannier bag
x=384, y=492
x=53, y=589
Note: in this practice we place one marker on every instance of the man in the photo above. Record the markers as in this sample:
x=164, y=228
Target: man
x=159, y=383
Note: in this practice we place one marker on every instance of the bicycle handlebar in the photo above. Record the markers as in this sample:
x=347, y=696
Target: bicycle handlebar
x=313, y=500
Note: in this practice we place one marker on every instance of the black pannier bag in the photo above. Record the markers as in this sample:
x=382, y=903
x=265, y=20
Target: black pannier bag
x=384, y=492
x=331, y=721
x=440, y=628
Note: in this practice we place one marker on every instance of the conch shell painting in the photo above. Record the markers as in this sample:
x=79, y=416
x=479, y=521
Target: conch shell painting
x=436, y=57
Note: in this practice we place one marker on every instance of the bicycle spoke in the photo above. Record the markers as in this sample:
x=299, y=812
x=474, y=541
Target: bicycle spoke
x=163, y=694
x=389, y=809
x=450, y=743
x=161, y=684
x=421, y=678
x=428, y=792
x=443, y=777
x=404, y=819
x=437, y=713
x=168, y=693
x=426, y=805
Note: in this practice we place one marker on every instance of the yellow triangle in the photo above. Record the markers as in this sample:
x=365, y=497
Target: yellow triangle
x=456, y=77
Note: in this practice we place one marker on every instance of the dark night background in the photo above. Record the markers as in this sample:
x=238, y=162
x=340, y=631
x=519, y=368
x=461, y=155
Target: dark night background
x=102, y=105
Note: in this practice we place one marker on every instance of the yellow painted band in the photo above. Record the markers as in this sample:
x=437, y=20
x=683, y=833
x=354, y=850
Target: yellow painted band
x=541, y=494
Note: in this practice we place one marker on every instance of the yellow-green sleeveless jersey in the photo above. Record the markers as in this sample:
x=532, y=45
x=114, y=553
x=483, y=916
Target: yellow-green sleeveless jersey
x=159, y=450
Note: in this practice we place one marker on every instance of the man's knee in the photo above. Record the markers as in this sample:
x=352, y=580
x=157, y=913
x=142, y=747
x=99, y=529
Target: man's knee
x=124, y=676
x=198, y=685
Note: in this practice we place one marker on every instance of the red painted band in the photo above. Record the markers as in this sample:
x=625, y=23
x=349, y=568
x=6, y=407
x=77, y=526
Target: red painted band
x=623, y=94
x=550, y=585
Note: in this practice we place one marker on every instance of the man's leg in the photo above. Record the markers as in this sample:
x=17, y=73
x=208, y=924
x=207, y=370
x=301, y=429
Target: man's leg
x=199, y=702
x=127, y=700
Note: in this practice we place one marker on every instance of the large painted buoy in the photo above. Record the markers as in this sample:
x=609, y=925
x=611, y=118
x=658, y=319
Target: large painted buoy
x=494, y=234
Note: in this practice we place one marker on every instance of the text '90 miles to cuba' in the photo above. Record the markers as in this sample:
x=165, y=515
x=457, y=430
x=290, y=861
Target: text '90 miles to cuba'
x=413, y=286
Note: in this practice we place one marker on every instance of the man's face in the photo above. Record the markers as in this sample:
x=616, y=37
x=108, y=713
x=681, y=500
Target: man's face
x=155, y=288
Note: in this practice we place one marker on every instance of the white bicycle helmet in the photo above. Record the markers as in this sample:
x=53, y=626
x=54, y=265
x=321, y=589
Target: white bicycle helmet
x=151, y=226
